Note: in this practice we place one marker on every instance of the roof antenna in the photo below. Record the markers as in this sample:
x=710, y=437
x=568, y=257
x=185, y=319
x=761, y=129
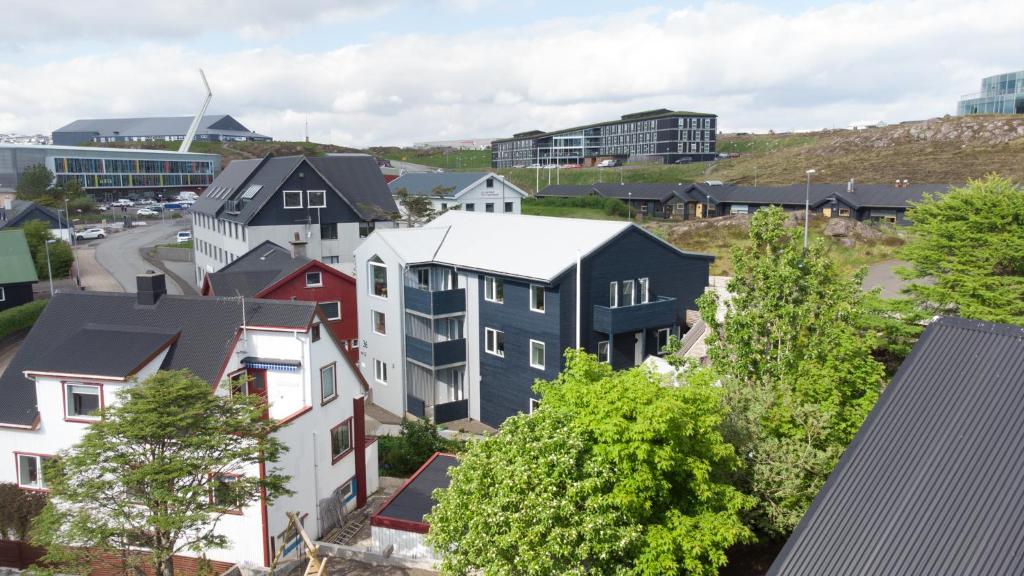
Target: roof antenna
x=307, y=128
x=187, y=142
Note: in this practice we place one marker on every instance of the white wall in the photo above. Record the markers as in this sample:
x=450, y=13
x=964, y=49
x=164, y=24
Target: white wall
x=470, y=281
x=406, y=544
x=502, y=191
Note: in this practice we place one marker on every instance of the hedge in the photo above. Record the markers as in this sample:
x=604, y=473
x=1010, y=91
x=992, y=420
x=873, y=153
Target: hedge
x=20, y=317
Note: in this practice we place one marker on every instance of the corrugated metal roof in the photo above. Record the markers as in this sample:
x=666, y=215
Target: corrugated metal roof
x=933, y=484
x=16, y=264
x=153, y=126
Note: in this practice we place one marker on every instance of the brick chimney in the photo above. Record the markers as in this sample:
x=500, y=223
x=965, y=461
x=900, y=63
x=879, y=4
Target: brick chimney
x=150, y=287
x=298, y=246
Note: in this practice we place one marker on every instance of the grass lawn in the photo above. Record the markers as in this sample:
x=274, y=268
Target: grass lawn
x=569, y=212
x=526, y=178
x=452, y=160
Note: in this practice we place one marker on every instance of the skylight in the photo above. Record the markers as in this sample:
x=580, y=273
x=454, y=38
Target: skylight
x=252, y=191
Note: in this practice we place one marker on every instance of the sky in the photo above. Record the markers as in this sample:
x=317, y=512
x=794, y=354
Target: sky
x=393, y=72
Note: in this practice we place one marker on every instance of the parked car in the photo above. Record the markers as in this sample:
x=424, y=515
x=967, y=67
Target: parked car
x=534, y=166
x=608, y=163
x=684, y=160
x=569, y=166
x=102, y=207
x=183, y=236
x=90, y=233
x=123, y=202
x=147, y=212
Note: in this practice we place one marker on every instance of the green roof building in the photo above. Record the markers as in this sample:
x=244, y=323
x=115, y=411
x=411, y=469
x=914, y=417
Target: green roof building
x=17, y=269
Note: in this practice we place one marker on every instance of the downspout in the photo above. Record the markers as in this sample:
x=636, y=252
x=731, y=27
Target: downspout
x=579, y=299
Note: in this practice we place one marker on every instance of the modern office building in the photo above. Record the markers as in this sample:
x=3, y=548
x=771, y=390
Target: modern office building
x=1000, y=94
x=655, y=136
x=115, y=170
x=459, y=317
x=214, y=127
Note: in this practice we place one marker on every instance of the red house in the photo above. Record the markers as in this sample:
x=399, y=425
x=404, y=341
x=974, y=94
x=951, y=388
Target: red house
x=272, y=272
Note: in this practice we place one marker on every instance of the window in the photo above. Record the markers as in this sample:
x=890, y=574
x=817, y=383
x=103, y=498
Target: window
x=627, y=293
x=843, y=213
x=341, y=440
x=223, y=493
x=644, y=287
x=602, y=351
x=444, y=206
x=314, y=280
x=354, y=344
x=315, y=332
x=470, y=207
x=423, y=279
x=537, y=298
x=3, y=296
x=332, y=310
x=329, y=231
x=508, y=207
x=379, y=324
x=536, y=354
x=494, y=342
x=30, y=471
x=534, y=405
x=490, y=182
x=293, y=199
x=331, y=260
x=613, y=294
x=494, y=289
x=663, y=335
x=489, y=207
x=448, y=279
x=82, y=401
x=379, y=279
x=365, y=228
x=328, y=383
x=316, y=199
x=380, y=371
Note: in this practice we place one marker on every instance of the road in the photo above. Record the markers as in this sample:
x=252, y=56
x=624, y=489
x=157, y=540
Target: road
x=119, y=252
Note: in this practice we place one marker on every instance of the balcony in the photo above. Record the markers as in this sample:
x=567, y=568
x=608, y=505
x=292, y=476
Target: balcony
x=435, y=303
x=435, y=353
x=658, y=313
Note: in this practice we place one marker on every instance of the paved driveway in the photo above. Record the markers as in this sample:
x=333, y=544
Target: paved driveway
x=119, y=252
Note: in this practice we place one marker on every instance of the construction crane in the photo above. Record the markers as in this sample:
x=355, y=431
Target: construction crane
x=316, y=565
x=191, y=134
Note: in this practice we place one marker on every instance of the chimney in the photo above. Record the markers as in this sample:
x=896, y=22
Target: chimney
x=849, y=186
x=150, y=287
x=298, y=246
x=906, y=183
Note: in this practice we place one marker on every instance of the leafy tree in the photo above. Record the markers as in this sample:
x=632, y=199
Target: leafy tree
x=150, y=473
x=797, y=373
x=37, y=233
x=969, y=243
x=416, y=442
x=418, y=209
x=17, y=509
x=612, y=474
x=34, y=182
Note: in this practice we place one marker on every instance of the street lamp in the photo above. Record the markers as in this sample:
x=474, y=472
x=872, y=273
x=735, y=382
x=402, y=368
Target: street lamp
x=49, y=269
x=629, y=205
x=807, y=206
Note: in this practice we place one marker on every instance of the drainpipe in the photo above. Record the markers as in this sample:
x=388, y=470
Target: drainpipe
x=579, y=299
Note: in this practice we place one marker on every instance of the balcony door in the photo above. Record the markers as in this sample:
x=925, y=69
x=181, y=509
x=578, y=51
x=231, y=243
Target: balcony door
x=638, y=348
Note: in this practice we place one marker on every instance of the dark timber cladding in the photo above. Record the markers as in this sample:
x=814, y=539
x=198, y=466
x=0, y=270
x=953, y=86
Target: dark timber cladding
x=660, y=135
x=933, y=484
x=414, y=500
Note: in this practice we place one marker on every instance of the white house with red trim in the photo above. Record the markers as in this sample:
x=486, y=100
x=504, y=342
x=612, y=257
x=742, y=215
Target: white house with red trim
x=87, y=346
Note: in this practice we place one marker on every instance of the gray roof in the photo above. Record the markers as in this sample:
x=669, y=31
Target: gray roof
x=356, y=178
x=116, y=351
x=255, y=270
x=23, y=211
x=424, y=183
x=933, y=484
x=567, y=191
x=206, y=326
x=415, y=499
x=862, y=196
x=159, y=126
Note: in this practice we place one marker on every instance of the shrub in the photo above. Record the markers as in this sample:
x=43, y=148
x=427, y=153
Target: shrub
x=610, y=206
x=20, y=317
x=61, y=257
x=403, y=454
x=17, y=510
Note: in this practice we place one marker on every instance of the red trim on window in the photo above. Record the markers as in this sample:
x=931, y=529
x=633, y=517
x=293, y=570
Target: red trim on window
x=330, y=436
x=232, y=511
x=17, y=470
x=64, y=394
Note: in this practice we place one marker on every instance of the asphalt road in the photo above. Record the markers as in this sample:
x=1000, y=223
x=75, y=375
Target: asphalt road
x=119, y=252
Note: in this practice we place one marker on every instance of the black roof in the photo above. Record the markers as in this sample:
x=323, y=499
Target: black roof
x=23, y=211
x=255, y=270
x=861, y=196
x=567, y=191
x=206, y=325
x=415, y=499
x=933, y=483
x=356, y=178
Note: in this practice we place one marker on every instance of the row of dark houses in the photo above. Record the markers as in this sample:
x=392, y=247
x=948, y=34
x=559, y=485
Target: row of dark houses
x=685, y=201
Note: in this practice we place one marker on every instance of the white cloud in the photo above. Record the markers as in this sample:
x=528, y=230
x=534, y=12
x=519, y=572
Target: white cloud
x=757, y=69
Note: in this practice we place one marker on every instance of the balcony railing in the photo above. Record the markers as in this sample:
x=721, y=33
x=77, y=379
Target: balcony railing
x=435, y=303
x=658, y=313
x=435, y=353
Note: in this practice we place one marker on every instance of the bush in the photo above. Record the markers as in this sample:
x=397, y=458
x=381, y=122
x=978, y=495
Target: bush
x=20, y=317
x=17, y=510
x=61, y=257
x=404, y=454
x=610, y=206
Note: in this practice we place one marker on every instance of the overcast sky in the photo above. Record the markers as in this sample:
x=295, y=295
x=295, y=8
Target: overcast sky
x=392, y=72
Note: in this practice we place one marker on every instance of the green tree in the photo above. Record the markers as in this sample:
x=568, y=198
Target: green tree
x=34, y=182
x=37, y=233
x=797, y=373
x=612, y=474
x=416, y=442
x=158, y=471
x=17, y=509
x=969, y=244
x=418, y=209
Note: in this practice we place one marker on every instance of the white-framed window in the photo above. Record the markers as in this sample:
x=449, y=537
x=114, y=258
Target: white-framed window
x=30, y=470
x=82, y=401
x=494, y=342
x=316, y=198
x=534, y=404
x=628, y=296
x=292, y=198
x=536, y=354
x=663, y=335
x=602, y=351
x=379, y=279
x=380, y=371
x=332, y=310
x=3, y=295
x=423, y=278
x=644, y=286
x=328, y=383
x=494, y=289
x=379, y=323
x=537, y=298
x=314, y=280
x=613, y=294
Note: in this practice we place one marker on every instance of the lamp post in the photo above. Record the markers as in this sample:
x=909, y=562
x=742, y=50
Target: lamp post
x=49, y=269
x=629, y=205
x=807, y=206
x=74, y=243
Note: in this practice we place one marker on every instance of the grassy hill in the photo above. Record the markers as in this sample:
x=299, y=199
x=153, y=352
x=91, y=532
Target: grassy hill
x=239, y=150
x=438, y=157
